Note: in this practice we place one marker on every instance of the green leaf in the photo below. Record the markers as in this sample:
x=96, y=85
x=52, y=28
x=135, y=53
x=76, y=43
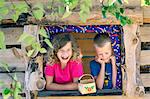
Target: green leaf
x=2, y=3
x=47, y=41
x=4, y=10
x=73, y=4
x=111, y=2
x=83, y=16
x=66, y=14
x=120, y=1
x=117, y=15
x=2, y=40
x=22, y=7
x=38, y=14
x=104, y=14
x=36, y=46
x=30, y=52
x=122, y=10
x=15, y=17
x=43, y=50
x=23, y=37
x=4, y=65
x=29, y=40
x=43, y=33
x=6, y=93
x=61, y=10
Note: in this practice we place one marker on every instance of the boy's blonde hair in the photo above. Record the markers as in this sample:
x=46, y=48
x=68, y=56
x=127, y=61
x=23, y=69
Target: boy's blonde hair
x=59, y=41
x=101, y=39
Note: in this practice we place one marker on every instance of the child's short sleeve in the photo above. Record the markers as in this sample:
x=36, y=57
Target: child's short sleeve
x=77, y=69
x=95, y=68
x=49, y=70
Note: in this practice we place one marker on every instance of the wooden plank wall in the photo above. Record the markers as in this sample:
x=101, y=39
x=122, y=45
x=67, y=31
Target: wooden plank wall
x=9, y=56
x=85, y=42
x=145, y=54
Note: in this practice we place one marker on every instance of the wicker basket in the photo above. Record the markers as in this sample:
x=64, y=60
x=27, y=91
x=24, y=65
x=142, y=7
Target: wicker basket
x=86, y=84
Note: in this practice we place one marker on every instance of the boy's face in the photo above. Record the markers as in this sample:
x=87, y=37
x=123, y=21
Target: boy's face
x=65, y=53
x=105, y=52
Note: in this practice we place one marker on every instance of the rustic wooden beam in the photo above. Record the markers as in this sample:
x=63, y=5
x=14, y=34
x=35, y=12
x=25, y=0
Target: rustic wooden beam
x=145, y=56
x=146, y=14
x=95, y=18
x=139, y=87
x=144, y=33
x=131, y=41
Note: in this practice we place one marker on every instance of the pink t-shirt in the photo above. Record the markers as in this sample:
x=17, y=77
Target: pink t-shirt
x=66, y=75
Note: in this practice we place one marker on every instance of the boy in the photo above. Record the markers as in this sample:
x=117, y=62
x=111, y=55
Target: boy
x=103, y=68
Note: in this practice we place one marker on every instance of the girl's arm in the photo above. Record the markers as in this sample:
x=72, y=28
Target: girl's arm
x=114, y=71
x=101, y=76
x=54, y=86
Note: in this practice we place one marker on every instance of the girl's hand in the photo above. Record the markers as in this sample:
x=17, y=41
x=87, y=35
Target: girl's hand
x=99, y=60
x=113, y=60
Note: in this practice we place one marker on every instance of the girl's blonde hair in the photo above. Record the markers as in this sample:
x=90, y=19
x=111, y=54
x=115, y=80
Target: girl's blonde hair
x=59, y=41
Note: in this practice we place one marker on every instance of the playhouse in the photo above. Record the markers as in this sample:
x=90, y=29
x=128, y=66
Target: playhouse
x=130, y=45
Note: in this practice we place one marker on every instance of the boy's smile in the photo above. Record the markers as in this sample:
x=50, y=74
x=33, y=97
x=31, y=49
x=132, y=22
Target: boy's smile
x=105, y=52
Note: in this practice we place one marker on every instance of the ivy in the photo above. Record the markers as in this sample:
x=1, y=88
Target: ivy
x=85, y=7
x=116, y=10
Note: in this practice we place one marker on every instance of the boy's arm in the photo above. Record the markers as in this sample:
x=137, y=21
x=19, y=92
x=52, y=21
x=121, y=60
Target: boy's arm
x=101, y=77
x=54, y=86
x=114, y=71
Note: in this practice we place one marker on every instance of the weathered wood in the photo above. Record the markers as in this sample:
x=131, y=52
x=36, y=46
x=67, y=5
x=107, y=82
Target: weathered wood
x=86, y=64
x=95, y=18
x=95, y=97
x=146, y=79
x=7, y=57
x=87, y=47
x=139, y=87
x=130, y=41
x=12, y=35
x=146, y=14
x=81, y=36
x=145, y=56
x=7, y=80
x=145, y=33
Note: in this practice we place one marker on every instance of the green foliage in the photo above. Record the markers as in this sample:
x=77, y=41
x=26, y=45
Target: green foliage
x=2, y=40
x=38, y=11
x=16, y=87
x=47, y=41
x=147, y=2
x=4, y=65
x=116, y=10
x=85, y=7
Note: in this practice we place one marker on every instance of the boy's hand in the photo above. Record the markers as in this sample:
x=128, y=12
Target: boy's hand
x=113, y=60
x=99, y=60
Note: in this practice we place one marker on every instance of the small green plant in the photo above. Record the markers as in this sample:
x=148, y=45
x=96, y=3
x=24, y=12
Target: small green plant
x=15, y=89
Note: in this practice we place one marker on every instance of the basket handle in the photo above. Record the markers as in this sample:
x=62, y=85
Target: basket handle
x=86, y=75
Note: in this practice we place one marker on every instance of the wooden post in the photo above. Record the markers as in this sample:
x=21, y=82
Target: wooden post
x=139, y=88
x=131, y=41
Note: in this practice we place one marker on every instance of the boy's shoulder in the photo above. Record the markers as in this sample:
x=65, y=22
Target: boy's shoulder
x=93, y=62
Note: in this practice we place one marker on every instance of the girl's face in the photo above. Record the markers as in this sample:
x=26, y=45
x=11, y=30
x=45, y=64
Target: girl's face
x=65, y=53
x=104, y=52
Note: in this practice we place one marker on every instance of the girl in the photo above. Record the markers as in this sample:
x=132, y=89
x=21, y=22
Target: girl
x=64, y=66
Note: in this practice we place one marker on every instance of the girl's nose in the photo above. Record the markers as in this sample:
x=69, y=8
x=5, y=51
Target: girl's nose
x=65, y=54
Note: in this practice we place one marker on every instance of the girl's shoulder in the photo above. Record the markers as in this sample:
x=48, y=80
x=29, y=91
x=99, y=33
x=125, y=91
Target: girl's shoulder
x=51, y=64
